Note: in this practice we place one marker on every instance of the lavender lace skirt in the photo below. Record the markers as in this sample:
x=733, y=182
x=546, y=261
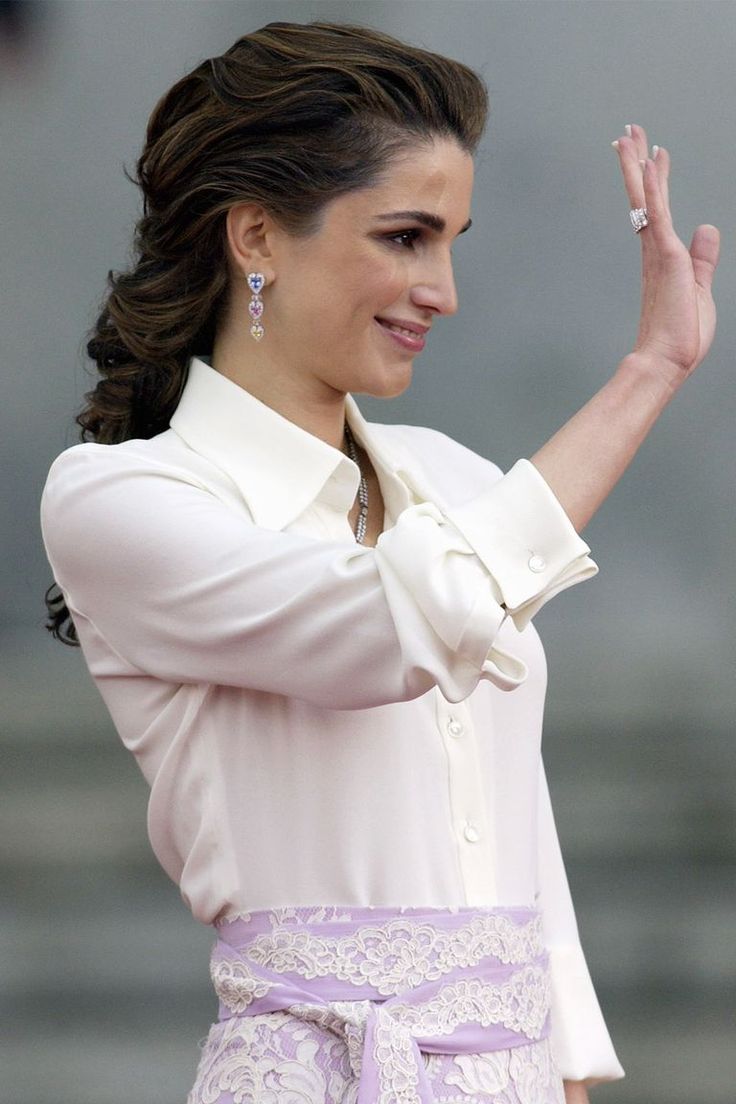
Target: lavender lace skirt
x=380, y=1006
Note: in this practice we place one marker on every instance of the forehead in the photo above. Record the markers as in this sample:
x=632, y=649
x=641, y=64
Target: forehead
x=436, y=178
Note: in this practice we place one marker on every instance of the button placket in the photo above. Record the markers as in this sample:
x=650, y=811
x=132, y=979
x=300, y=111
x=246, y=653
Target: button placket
x=468, y=802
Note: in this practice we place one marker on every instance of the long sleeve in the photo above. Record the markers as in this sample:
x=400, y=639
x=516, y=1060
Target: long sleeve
x=298, y=703
x=181, y=586
x=580, y=1039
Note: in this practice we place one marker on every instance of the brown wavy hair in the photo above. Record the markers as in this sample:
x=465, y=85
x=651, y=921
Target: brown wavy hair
x=291, y=116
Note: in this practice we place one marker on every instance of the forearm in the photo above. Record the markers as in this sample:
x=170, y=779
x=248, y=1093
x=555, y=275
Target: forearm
x=584, y=460
x=576, y=1092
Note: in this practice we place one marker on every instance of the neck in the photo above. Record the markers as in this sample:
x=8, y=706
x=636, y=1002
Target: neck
x=312, y=405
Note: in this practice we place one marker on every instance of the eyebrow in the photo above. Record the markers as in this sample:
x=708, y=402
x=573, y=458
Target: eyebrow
x=434, y=222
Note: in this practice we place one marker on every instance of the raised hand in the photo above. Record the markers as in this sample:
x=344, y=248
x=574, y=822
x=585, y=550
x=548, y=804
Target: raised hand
x=678, y=314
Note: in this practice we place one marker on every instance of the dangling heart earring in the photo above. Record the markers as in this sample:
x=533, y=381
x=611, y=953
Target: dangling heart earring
x=256, y=280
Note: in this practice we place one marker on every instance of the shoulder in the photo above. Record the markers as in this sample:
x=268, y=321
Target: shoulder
x=95, y=489
x=84, y=466
x=446, y=467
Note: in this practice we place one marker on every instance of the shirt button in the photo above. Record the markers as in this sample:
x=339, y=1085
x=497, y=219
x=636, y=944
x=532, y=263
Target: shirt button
x=471, y=833
x=537, y=564
x=455, y=728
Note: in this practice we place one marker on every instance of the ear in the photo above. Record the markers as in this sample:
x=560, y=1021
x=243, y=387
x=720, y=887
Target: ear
x=250, y=230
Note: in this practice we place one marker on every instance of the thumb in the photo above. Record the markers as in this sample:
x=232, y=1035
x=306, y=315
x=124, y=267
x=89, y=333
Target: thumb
x=705, y=249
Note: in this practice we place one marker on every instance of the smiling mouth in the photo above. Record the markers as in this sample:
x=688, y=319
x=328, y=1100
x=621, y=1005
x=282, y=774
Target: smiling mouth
x=410, y=340
x=418, y=331
x=398, y=329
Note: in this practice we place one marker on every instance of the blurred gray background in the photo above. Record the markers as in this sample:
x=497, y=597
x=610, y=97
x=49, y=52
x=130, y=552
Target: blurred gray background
x=103, y=975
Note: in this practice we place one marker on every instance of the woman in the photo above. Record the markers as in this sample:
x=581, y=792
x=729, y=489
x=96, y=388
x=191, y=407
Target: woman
x=314, y=633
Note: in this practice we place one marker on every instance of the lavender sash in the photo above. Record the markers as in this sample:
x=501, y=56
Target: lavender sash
x=466, y=980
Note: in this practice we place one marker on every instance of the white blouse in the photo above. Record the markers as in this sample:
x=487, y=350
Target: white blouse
x=321, y=722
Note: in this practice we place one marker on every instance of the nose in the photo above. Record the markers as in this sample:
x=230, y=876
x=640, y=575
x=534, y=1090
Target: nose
x=435, y=288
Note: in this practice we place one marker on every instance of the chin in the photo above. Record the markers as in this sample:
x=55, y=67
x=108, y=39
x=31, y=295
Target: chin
x=389, y=386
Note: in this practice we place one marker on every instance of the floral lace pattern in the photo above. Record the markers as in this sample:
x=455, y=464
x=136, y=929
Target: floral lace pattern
x=277, y=1058
x=346, y=1018
x=392, y=957
x=521, y=1004
x=470, y=985
x=395, y=1055
x=235, y=983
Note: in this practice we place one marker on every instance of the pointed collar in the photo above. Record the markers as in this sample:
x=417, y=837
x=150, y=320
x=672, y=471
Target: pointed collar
x=279, y=468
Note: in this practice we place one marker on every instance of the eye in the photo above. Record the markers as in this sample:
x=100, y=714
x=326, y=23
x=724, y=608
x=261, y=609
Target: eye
x=406, y=238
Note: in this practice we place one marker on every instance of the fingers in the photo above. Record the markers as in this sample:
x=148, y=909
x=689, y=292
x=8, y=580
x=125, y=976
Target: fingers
x=705, y=249
x=633, y=149
x=638, y=136
x=660, y=224
x=628, y=155
x=646, y=179
x=662, y=160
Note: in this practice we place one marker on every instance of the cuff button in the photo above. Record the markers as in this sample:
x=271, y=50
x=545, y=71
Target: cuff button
x=537, y=564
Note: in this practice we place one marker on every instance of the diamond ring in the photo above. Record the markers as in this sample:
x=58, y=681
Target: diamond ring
x=639, y=220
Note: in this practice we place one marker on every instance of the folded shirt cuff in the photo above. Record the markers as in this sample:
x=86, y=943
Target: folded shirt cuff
x=525, y=540
x=580, y=1041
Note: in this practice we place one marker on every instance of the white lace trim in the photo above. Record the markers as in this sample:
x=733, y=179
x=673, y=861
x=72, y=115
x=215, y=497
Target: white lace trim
x=235, y=983
x=521, y=1004
x=347, y=1019
x=393, y=956
x=395, y=1055
x=277, y=1058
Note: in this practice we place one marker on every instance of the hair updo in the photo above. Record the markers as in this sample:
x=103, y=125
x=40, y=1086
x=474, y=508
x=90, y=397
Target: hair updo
x=291, y=117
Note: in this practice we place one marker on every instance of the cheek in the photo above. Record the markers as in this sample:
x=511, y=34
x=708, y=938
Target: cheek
x=374, y=284
x=350, y=287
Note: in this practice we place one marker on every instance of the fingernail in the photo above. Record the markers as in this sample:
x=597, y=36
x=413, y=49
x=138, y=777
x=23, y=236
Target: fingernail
x=642, y=163
x=615, y=144
x=655, y=151
x=627, y=128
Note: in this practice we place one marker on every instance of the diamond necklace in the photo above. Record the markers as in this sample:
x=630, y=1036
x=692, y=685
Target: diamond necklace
x=362, y=522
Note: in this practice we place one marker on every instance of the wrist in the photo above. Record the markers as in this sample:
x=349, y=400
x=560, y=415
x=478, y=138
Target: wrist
x=651, y=377
x=576, y=1092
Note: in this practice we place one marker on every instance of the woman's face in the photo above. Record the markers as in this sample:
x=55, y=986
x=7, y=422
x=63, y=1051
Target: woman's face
x=351, y=306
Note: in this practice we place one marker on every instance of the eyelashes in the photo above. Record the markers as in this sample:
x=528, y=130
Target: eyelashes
x=405, y=239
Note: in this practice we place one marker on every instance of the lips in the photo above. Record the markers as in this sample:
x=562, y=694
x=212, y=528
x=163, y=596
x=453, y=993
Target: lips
x=406, y=335
x=400, y=325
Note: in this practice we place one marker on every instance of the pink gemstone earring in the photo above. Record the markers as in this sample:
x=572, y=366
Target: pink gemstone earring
x=256, y=280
